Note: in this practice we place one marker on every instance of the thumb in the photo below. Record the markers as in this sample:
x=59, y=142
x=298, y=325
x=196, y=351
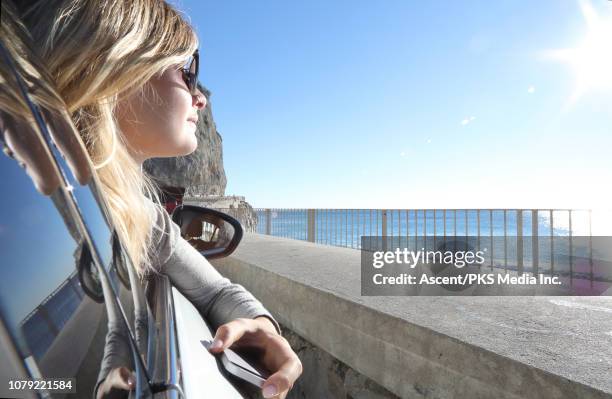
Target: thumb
x=126, y=379
x=227, y=334
x=278, y=383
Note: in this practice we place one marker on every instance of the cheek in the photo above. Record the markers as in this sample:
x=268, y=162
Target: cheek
x=170, y=113
x=169, y=133
x=156, y=125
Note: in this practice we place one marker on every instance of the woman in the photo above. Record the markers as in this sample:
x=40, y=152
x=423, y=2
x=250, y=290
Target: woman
x=127, y=71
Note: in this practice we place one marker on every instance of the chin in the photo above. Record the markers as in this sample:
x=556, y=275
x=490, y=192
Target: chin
x=179, y=150
x=190, y=146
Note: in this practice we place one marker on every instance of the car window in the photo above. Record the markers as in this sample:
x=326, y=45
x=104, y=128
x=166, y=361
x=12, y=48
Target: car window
x=58, y=324
x=125, y=283
x=62, y=268
x=128, y=288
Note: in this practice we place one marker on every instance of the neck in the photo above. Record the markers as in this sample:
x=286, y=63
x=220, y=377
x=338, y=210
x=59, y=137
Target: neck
x=138, y=157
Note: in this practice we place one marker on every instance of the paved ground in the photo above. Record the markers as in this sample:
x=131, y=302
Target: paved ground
x=567, y=336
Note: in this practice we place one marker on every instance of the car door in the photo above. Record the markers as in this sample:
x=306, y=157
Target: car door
x=58, y=304
x=213, y=234
x=70, y=301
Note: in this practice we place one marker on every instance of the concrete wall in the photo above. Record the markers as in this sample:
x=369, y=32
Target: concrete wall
x=326, y=377
x=429, y=347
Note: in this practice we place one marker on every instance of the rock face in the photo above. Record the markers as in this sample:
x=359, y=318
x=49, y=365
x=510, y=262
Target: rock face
x=200, y=173
x=233, y=205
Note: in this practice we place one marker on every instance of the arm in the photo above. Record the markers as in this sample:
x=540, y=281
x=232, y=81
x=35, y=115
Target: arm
x=218, y=299
x=115, y=377
x=240, y=320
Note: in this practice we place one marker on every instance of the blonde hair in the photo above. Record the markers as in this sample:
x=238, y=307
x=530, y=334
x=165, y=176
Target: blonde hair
x=94, y=52
x=28, y=67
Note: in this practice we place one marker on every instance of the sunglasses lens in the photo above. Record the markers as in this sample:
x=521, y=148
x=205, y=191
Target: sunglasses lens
x=190, y=73
x=193, y=79
x=193, y=66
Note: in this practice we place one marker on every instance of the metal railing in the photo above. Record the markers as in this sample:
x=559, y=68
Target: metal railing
x=520, y=239
x=344, y=227
x=42, y=325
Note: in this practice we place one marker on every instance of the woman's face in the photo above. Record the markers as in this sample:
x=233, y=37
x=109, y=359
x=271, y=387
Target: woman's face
x=161, y=120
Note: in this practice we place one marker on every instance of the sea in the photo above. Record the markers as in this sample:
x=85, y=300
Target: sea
x=562, y=236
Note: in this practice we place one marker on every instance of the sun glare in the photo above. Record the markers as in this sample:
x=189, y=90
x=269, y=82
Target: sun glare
x=591, y=58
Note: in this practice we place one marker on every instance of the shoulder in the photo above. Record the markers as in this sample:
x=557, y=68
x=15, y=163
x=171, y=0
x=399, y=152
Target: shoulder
x=164, y=236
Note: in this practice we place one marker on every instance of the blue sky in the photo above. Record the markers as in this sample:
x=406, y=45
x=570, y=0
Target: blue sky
x=398, y=104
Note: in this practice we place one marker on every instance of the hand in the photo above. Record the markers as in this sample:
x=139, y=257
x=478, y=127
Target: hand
x=260, y=336
x=116, y=384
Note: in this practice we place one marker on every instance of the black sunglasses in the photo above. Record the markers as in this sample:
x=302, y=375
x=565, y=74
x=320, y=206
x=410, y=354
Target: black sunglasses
x=190, y=72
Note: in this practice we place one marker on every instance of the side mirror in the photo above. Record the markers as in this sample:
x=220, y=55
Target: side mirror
x=214, y=234
x=88, y=274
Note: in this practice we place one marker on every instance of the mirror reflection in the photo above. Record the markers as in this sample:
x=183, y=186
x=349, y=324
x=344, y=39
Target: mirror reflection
x=211, y=232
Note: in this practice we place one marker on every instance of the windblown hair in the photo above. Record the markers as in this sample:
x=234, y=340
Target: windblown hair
x=17, y=43
x=95, y=52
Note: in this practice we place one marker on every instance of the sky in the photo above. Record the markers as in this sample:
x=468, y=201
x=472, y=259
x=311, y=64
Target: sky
x=34, y=241
x=405, y=104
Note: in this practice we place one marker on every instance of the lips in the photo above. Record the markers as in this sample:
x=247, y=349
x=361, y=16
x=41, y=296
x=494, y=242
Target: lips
x=193, y=118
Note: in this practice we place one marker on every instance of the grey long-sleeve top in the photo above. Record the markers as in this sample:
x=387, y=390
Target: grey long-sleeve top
x=216, y=297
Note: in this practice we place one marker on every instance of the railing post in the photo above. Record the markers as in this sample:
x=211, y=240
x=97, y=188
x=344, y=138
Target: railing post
x=478, y=231
x=268, y=221
x=416, y=230
x=519, y=241
x=571, y=248
x=352, y=228
x=425, y=229
x=384, y=229
x=44, y=314
x=552, y=242
x=311, y=225
x=73, y=282
x=444, y=218
x=467, y=231
x=505, y=240
x=591, y=245
x=535, y=255
x=491, y=254
x=434, y=230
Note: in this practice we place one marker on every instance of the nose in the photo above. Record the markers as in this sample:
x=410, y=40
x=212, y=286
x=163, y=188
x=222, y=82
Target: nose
x=199, y=100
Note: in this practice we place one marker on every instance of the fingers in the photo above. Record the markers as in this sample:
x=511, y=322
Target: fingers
x=287, y=365
x=229, y=333
x=126, y=379
x=121, y=378
x=278, y=356
x=116, y=383
x=282, y=381
x=28, y=148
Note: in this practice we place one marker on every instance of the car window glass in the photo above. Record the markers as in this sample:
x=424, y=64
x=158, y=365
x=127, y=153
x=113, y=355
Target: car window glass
x=126, y=286
x=87, y=209
x=125, y=283
x=58, y=329
x=55, y=269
